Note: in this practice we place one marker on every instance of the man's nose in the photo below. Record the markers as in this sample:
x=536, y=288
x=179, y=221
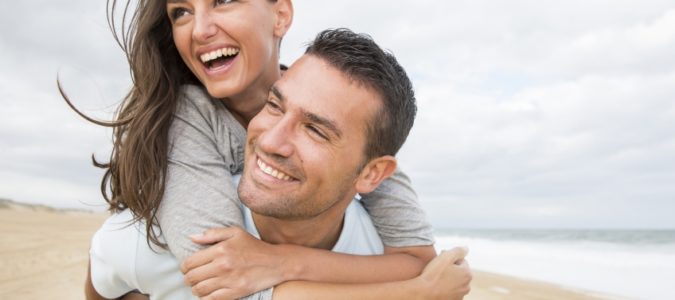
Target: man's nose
x=278, y=139
x=204, y=27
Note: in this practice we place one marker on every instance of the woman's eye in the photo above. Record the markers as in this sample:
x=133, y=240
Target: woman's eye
x=177, y=13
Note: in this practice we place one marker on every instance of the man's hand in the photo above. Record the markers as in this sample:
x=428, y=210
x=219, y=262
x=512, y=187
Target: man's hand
x=447, y=276
x=236, y=265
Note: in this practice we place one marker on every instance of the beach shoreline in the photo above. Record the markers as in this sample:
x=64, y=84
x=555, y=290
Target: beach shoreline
x=44, y=254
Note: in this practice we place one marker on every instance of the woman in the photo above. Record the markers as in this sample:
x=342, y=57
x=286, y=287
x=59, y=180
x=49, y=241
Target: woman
x=230, y=48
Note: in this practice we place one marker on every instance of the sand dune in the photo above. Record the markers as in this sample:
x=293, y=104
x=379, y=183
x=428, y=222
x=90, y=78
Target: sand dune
x=44, y=252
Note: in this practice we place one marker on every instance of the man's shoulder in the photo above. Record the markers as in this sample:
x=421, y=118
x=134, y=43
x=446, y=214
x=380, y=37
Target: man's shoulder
x=121, y=251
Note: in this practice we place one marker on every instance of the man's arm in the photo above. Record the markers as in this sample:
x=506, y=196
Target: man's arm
x=243, y=264
x=90, y=292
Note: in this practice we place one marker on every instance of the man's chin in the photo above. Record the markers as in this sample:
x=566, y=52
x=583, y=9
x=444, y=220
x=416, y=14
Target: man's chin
x=270, y=209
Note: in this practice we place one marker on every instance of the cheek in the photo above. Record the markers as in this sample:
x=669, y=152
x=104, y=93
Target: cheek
x=261, y=122
x=259, y=47
x=317, y=159
x=181, y=38
x=258, y=38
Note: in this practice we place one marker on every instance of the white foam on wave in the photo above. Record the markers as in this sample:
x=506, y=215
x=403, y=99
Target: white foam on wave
x=641, y=272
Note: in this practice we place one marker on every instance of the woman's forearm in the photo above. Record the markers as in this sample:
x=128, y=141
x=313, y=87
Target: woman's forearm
x=325, y=266
x=299, y=290
x=446, y=277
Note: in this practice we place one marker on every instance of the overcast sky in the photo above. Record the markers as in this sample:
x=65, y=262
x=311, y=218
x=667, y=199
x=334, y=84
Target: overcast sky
x=531, y=113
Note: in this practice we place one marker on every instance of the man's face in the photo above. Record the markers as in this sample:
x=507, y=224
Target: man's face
x=306, y=147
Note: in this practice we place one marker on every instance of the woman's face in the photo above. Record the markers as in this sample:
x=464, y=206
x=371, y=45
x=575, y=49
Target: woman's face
x=231, y=46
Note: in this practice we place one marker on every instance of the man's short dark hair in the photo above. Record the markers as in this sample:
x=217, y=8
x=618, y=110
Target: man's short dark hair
x=362, y=60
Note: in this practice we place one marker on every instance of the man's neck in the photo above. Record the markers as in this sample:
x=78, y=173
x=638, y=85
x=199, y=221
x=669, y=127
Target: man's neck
x=322, y=231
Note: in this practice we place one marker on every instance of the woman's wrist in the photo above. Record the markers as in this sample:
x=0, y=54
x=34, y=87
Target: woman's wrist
x=418, y=287
x=292, y=266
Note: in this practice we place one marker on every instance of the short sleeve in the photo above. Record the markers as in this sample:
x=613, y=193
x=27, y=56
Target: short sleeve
x=206, y=149
x=396, y=213
x=112, y=262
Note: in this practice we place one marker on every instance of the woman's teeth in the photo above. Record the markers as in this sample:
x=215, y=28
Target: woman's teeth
x=273, y=172
x=206, y=57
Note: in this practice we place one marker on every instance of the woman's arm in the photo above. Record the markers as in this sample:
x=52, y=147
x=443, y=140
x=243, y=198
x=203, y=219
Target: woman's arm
x=242, y=264
x=206, y=148
x=396, y=213
x=446, y=277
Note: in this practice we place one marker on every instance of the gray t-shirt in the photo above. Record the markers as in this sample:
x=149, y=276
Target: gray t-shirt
x=207, y=148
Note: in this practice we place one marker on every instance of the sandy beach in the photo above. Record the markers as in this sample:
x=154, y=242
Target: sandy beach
x=43, y=255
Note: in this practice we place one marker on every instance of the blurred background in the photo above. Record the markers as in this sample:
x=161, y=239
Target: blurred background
x=545, y=138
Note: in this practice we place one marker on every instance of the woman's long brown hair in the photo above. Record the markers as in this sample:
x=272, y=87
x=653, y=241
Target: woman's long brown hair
x=134, y=176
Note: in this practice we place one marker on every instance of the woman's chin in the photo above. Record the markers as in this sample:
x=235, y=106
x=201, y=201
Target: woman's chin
x=216, y=90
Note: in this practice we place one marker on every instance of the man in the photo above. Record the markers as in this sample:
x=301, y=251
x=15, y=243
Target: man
x=330, y=130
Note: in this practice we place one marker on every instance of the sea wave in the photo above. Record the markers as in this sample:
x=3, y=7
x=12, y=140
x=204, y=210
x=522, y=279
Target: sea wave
x=616, y=266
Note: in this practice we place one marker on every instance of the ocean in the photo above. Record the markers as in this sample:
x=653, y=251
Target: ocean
x=633, y=264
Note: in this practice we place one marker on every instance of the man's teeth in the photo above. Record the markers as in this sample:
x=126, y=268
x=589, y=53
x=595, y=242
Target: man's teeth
x=273, y=172
x=206, y=57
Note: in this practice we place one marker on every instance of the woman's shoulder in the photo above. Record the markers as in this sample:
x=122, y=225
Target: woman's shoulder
x=195, y=99
x=195, y=96
x=195, y=105
x=209, y=116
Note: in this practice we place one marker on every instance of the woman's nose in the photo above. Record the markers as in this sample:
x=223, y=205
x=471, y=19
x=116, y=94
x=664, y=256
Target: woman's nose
x=204, y=27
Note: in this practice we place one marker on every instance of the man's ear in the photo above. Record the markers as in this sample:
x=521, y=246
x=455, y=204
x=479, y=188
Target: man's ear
x=284, y=17
x=374, y=173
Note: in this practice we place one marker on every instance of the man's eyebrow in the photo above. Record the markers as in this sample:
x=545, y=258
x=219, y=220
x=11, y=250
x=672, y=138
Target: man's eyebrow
x=277, y=93
x=325, y=122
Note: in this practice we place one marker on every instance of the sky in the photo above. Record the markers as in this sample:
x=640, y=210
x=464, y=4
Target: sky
x=532, y=114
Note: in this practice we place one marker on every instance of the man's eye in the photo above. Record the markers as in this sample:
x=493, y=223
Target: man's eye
x=274, y=106
x=316, y=131
x=219, y=2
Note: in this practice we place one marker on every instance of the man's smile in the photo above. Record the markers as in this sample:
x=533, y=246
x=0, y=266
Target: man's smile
x=269, y=170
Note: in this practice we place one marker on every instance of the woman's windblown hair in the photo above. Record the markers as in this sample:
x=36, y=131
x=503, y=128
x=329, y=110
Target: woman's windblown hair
x=135, y=173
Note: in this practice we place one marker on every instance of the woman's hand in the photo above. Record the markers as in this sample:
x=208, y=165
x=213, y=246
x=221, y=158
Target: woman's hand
x=235, y=265
x=447, y=276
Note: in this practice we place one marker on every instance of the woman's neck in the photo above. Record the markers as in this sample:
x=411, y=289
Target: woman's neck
x=246, y=105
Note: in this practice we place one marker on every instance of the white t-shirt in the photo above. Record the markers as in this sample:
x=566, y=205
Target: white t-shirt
x=122, y=261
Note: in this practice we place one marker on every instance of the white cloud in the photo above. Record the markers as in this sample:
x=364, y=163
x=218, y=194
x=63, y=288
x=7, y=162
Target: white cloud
x=531, y=113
